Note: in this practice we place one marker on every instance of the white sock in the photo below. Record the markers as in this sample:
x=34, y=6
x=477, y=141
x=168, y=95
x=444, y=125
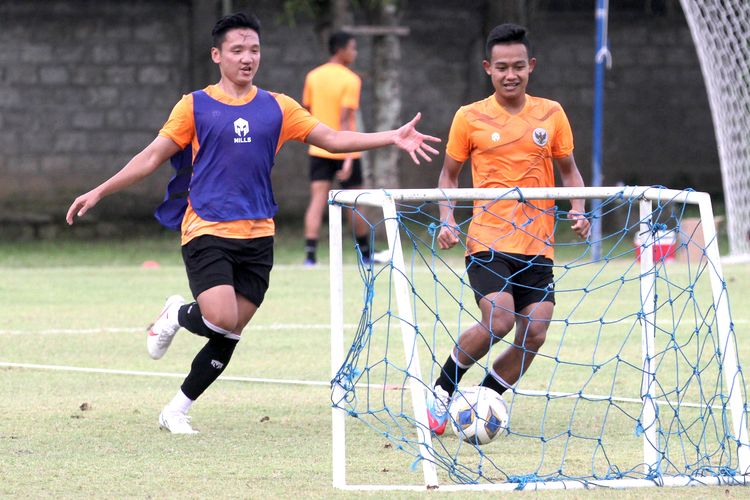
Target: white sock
x=454, y=357
x=217, y=329
x=500, y=380
x=179, y=404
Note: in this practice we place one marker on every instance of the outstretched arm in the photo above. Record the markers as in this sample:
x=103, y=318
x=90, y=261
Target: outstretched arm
x=140, y=166
x=571, y=177
x=447, y=238
x=407, y=138
x=348, y=118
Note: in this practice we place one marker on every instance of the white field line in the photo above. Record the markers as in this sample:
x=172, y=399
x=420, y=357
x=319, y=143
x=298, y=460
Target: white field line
x=322, y=383
x=320, y=268
x=253, y=327
x=108, y=371
x=80, y=331
x=452, y=262
x=138, y=373
x=267, y=327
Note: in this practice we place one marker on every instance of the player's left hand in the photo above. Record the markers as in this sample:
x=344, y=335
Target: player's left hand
x=581, y=226
x=413, y=142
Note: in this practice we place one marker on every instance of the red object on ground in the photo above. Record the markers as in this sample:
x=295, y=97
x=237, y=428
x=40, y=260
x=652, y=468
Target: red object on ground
x=665, y=246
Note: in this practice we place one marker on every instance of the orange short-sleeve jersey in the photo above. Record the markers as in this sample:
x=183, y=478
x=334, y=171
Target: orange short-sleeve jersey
x=180, y=127
x=329, y=89
x=508, y=151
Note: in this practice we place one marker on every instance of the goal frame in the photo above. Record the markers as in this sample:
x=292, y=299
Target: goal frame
x=386, y=201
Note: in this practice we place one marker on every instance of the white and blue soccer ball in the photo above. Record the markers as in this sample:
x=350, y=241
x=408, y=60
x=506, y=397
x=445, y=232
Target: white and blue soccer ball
x=478, y=414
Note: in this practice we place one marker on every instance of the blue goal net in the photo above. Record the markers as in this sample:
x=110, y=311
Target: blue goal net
x=637, y=380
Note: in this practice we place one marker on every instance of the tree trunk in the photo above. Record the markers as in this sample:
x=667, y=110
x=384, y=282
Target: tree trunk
x=387, y=98
x=342, y=14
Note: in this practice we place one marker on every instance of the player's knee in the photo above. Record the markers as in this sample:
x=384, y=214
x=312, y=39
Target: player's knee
x=534, y=337
x=500, y=326
x=224, y=320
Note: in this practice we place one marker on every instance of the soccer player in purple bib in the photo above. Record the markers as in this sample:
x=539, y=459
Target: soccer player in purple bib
x=230, y=132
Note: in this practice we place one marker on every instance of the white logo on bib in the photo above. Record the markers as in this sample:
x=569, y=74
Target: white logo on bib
x=242, y=128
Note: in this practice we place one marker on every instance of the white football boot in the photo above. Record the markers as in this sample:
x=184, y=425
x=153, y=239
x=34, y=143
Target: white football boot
x=175, y=422
x=162, y=331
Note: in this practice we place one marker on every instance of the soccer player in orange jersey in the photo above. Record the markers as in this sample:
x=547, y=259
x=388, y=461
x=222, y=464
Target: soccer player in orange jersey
x=230, y=132
x=331, y=93
x=513, y=139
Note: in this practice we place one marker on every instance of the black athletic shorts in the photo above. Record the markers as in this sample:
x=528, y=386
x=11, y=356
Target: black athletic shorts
x=528, y=278
x=244, y=264
x=324, y=169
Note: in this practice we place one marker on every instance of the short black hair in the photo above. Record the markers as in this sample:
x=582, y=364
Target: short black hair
x=233, y=21
x=506, y=34
x=338, y=41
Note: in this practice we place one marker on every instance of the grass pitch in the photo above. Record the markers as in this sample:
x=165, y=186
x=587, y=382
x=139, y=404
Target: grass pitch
x=80, y=403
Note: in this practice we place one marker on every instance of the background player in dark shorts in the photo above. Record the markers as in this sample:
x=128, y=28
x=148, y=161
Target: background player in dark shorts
x=325, y=169
x=331, y=93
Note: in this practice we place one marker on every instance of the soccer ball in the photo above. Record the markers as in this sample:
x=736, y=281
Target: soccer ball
x=478, y=414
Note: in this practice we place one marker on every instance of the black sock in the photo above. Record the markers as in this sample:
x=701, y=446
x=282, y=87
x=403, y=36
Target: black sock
x=364, y=245
x=311, y=247
x=450, y=375
x=491, y=383
x=189, y=317
x=208, y=365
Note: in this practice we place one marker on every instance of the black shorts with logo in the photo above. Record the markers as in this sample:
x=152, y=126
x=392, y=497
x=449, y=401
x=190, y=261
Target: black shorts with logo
x=528, y=278
x=245, y=264
x=324, y=169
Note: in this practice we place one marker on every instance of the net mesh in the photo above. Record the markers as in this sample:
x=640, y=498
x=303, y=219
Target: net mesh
x=578, y=413
x=721, y=32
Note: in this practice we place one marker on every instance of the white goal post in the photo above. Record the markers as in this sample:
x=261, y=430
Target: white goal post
x=644, y=198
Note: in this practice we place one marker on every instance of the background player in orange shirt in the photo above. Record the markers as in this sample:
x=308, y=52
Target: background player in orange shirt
x=512, y=139
x=234, y=130
x=331, y=93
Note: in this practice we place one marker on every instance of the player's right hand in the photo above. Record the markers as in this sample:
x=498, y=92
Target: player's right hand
x=346, y=170
x=448, y=236
x=82, y=204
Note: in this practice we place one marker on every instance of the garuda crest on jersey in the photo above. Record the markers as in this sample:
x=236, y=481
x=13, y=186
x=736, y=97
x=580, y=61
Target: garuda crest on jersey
x=540, y=136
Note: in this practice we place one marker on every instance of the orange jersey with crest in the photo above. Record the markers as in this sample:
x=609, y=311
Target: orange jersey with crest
x=508, y=151
x=329, y=89
x=180, y=128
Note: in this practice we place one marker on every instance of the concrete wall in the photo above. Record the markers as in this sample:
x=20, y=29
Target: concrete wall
x=85, y=84
x=658, y=127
